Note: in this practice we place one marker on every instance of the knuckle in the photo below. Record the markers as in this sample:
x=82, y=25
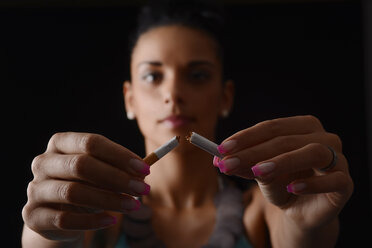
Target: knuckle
x=26, y=214
x=53, y=139
x=311, y=118
x=55, y=136
x=67, y=192
x=77, y=164
x=37, y=164
x=288, y=142
x=335, y=141
x=290, y=162
x=88, y=142
x=60, y=220
x=350, y=186
x=31, y=190
x=29, y=217
x=318, y=151
x=343, y=163
x=345, y=182
x=314, y=120
x=272, y=126
x=288, y=158
x=345, y=170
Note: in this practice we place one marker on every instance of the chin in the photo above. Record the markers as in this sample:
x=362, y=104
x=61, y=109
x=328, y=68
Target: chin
x=160, y=137
x=173, y=131
x=182, y=132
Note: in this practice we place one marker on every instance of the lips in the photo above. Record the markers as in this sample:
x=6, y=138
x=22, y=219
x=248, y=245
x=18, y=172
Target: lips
x=174, y=121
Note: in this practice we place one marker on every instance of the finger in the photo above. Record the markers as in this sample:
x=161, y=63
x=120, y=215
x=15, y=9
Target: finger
x=43, y=218
x=95, y=145
x=337, y=181
x=239, y=163
x=82, y=167
x=312, y=156
x=267, y=130
x=78, y=194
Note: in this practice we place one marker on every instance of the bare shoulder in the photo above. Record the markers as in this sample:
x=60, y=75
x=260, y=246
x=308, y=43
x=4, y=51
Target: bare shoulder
x=254, y=217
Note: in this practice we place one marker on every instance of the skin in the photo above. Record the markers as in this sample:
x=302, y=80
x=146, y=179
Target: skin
x=176, y=72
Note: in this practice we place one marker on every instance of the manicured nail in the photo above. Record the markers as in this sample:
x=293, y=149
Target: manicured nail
x=228, y=164
x=216, y=160
x=296, y=187
x=263, y=169
x=139, y=187
x=226, y=146
x=131, y=204
x=108, y=220
x=139, y=166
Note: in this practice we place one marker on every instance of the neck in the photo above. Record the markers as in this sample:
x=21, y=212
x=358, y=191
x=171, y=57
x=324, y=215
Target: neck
x=184, y=178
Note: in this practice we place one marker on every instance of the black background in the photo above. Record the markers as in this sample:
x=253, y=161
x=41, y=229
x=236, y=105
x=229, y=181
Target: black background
x=62, y=69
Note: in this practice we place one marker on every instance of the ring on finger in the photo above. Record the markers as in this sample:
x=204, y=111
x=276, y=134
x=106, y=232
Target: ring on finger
x=332, y=163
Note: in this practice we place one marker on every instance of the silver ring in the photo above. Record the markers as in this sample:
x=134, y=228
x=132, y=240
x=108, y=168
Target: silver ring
x=333, y=162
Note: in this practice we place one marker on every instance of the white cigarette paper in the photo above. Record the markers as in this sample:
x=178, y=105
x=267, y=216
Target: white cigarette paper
x=203, y=143
x=162, y=150
x=167, y=147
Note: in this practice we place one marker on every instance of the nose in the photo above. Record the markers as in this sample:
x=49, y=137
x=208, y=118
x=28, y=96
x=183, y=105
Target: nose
x=174, y=90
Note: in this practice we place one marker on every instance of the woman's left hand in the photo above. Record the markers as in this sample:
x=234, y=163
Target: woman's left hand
x=288, y=157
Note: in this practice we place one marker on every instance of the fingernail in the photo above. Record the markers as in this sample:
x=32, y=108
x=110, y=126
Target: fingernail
x=139, y=187
x=228, y=164
x=216, y=160
x=263, y=169
x=296, y=187
x=226, y=146
x=139, y=166
x=131, y=204
x=109, y=220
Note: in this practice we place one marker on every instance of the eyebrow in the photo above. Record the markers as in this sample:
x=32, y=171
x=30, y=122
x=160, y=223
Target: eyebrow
x=191, y=64
x=154, y=63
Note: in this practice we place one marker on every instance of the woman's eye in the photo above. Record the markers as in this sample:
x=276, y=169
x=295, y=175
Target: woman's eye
x=200, y=75
x=151, y=77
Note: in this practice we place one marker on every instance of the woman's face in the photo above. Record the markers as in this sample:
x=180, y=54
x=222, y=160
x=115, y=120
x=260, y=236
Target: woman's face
x=176, y=84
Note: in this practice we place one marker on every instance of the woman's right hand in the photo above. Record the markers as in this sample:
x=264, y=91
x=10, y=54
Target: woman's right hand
x=77, y=180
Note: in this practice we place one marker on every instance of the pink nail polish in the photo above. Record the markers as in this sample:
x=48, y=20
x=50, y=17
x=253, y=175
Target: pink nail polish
x=130, y=204
x=290, y=188
x=263, y=169
x=216, y=160
x=139, y=166
x=221, y=166
x=226, y=146
x=139, y=187
x=146, y=170
x=146, y=190
x=296, y=187
x=138, y=205
x=229, y=164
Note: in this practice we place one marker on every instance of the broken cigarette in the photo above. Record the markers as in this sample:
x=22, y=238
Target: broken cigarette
x=161, y=151
x=203, y=143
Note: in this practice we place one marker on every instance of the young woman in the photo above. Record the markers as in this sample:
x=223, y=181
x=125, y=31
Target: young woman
x=89, y=191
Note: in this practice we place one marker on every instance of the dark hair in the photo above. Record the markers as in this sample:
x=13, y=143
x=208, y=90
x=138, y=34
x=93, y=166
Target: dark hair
x=207, y=16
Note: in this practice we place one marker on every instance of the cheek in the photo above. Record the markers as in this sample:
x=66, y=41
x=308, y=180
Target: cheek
x=145, y=109
x=208, y=104
x=211, y=99
x=146, y=101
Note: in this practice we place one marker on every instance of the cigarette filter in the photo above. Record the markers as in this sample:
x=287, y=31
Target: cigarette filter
x=161, y=151
x=204, y=144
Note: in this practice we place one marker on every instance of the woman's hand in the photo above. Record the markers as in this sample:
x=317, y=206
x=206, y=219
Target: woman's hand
x=286, y=157
x=77, y=180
